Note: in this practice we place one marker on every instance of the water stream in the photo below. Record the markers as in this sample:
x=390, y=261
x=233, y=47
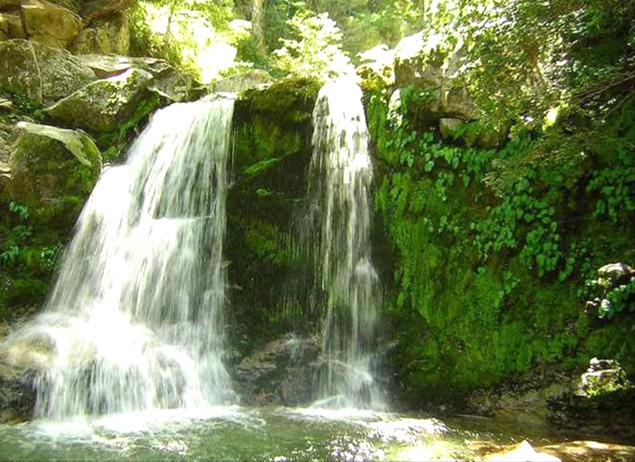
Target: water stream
x=337, y=232
x=135, y=319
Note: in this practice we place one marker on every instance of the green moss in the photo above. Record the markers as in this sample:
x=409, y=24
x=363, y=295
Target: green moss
x=487, y=286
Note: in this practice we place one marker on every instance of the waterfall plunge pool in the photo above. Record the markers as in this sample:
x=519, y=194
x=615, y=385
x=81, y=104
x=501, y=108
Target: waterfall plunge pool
x=236, y=433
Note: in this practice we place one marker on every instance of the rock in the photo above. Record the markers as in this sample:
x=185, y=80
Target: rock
x=522, y=452
x=104, y=36
x=603, y=376
x=105, y=105
x=11, y=26
x=590, y=451
x=168, y=81
x=279, y=373
x=42, y=73
x=49, y=24
x=255, y=78
x=422, y=63
x=52, y=172
x=17, y=396
x=448, y=127
x=603, y=402
x=5, y=105
x=95, y=9
x=8, y=4
x=616, y=271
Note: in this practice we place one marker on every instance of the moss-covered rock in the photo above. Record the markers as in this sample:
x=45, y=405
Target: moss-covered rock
x=104, y=105
x=53, y=171
x=43, y=74
x=273, y=130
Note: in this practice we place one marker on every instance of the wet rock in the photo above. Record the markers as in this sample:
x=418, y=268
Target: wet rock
x=49, y=24
x=17, y=396
x=280, y=373
x=590, y=451
x=52, y=172
x=109, y=35
x=105, y=105
x=42, y=73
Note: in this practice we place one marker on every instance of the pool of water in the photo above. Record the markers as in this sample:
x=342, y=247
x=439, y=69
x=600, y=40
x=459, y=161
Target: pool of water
x=259, y=434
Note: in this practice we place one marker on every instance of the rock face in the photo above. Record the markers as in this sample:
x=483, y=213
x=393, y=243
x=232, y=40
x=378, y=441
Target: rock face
x=106, y=104
x=52, y=171
x=42, y=73
x=104, y=36
x=280, y=373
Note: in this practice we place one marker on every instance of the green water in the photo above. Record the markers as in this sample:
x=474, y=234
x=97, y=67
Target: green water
x=244, y=434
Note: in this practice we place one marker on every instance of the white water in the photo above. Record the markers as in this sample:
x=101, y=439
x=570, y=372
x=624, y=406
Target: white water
x=339, y=233
x=135, y=320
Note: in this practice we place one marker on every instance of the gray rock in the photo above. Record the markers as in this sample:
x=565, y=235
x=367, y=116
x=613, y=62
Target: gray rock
x=42, y=73
x=168, y=81
x=255, y=78
x=104, y=105
x=49, y=24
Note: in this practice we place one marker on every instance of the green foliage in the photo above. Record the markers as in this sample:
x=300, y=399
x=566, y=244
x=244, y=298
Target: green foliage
x=27, y=259
x=195, y=36
x=316, y=50
x=492, y=246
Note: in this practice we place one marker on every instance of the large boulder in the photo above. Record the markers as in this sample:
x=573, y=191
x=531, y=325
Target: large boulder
x=42, y=73
x=104, y=36
x=52, y=172
x=49, y=24
x=104, y=106
x=168, y=81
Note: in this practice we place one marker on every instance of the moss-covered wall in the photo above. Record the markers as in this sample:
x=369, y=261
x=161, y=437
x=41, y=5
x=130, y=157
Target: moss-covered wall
x=272, y=137
x=484, y=287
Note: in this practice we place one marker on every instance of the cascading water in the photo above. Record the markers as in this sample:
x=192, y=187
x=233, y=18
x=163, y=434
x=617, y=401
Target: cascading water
x=135, y=320
x=338, y=234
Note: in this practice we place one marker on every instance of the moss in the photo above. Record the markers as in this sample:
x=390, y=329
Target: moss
x=466, y=318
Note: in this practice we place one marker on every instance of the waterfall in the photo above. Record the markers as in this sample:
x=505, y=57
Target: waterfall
x=337, y=233
x=135, y=319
